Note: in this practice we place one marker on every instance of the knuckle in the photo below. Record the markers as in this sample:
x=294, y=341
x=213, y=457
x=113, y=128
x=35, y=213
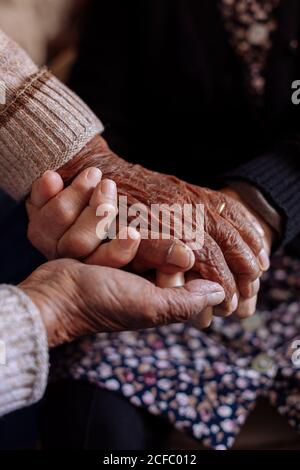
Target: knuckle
x=249, y=265
x=155, y=308
x=232, y=239
x=63, y=212
x=173, y=309
x=80, y=184
x=254, y=269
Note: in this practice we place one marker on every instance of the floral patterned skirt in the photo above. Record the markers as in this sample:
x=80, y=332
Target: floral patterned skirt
x=205, y=383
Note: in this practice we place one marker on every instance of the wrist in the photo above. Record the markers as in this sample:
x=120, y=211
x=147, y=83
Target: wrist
x=51, y=306
x=90, y=156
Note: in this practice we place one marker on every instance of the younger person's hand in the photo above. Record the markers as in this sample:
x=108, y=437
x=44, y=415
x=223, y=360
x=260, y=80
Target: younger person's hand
x=63, y=221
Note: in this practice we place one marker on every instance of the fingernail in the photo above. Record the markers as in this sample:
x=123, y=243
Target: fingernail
x=234, y=302
x=215, y=298
x=94, y=175
x=109, y=188
x=179, y=255
x=264, y=260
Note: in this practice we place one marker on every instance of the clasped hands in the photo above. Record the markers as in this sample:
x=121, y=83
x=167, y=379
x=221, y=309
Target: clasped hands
x=62, y=222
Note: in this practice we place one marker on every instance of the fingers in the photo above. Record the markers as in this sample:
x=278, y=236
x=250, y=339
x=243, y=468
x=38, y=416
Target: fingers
x=169, y=256
x=45, y=188
x=184, y=303
x=250, y=230
x=119, y=252
x=49, y=223
x=239, y=257
x=250, y=227
x=235, y=213
x=56, y=216
x=84, y=237
x=203, y=319
x=211, y=265
x=66, y=207
x=249, y=289
x=246, y=307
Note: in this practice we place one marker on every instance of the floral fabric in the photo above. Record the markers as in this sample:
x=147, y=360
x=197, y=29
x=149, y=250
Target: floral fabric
x=250, y=25
x=205, y=383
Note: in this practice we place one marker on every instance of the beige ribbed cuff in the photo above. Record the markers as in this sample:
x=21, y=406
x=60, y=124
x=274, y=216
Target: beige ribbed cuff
x=23, y=377
x=44, y=126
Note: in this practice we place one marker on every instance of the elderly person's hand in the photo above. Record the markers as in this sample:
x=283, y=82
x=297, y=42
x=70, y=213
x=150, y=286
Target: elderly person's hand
x=77, y=299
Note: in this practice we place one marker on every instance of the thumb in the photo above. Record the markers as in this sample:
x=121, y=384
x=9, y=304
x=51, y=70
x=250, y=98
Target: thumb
x=181, y=304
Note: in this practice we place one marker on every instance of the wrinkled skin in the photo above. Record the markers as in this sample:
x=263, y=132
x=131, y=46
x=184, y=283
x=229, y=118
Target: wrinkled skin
x=75, y=299
x=232, y=240
x=247, y=306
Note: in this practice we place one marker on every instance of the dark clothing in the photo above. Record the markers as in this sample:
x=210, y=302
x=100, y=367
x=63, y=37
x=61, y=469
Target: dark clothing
x=82, y=416
x=170, y=90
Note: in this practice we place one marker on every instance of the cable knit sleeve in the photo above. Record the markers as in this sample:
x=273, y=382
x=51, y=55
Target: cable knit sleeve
x=23, y=351
x=43, y=124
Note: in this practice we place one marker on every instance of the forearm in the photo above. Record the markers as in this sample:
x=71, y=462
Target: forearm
x=23, y=375
x=43, y=124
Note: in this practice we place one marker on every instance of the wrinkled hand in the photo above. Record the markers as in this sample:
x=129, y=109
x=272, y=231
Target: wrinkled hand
x=233, y=254
x=77, y=299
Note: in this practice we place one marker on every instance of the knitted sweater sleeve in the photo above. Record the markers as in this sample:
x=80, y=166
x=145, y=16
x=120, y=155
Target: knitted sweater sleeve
x=43, y=124
x=23, y=351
